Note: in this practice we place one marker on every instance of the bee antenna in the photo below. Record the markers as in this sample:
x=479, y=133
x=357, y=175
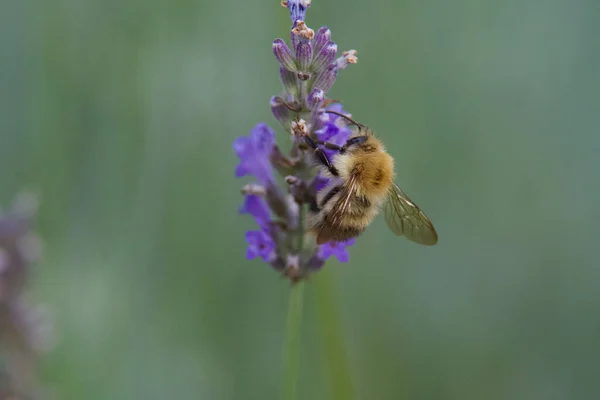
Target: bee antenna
x=360, y=126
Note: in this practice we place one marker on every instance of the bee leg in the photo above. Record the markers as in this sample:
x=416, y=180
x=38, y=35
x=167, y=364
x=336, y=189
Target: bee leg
x=352, y=142
x=329, y=145
x=313, y=205
x=342, y=149
x=321, y=156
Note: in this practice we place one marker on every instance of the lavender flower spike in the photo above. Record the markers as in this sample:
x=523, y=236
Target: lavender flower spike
x=308, y=69
x=23, y=329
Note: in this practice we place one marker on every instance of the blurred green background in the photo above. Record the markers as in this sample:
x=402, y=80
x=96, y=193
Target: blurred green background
x=121, y=114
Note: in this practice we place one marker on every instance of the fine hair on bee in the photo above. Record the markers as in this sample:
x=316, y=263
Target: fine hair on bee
x=361, y=181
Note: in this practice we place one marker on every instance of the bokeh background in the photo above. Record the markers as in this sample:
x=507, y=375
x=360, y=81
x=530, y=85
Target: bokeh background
x=121, y=114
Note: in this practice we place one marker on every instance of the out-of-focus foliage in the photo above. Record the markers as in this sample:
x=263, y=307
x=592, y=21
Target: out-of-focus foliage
x=121, y=114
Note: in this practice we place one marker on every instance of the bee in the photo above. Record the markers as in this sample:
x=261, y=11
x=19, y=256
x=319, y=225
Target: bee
x=361, y=181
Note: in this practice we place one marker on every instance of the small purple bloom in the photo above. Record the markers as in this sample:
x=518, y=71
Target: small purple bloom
x=257, y=207
x=333, y=128
x=254, y=153
x=260, y=244
x=337, y=249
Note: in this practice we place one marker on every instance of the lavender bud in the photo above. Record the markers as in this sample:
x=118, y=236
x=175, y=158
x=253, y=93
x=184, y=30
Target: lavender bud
x=325, y=79
x=280, y=110
x=293, y=211
x=324, y=57
x=276, y=201
x=288, y=79
x=304, y=55
x=294, y=39
x=284, y=55
x=322, y=38
x=315, y=99
x=297, y=9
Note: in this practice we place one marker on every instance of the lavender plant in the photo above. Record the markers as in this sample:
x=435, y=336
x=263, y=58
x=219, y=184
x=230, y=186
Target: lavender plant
x=22, y=327
x=307, y=71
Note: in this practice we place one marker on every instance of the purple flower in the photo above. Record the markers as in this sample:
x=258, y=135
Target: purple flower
x=260, y=244
x=335, y=249
x=257, y=207
x=254, y=152
x=308, y=68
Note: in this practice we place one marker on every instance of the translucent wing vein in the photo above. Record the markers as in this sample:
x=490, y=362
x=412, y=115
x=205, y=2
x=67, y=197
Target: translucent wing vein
x=404, y=217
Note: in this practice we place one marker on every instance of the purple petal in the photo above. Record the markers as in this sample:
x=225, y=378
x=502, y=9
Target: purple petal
x=325, y=251
x=260, y=244
x=241, y=170
x=338, y=249
x=342, y=256
x=257, y=207
x=252, y=237
x=263, y=138
x=251, y=253
x=240, y=145
x=327, y=131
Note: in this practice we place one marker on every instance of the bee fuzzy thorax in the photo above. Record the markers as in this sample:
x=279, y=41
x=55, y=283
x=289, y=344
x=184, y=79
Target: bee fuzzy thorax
x=361, y=182
x=370, y=164
x=361, y=176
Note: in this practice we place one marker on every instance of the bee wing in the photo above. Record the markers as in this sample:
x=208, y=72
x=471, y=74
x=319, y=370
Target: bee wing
x=338, y=210
x=405, y=218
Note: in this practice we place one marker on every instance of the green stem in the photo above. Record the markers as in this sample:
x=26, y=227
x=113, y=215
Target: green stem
x=332, y=338
x=291, y=350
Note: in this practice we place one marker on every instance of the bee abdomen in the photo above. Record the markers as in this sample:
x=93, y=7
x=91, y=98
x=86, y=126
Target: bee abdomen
x=339, y=233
